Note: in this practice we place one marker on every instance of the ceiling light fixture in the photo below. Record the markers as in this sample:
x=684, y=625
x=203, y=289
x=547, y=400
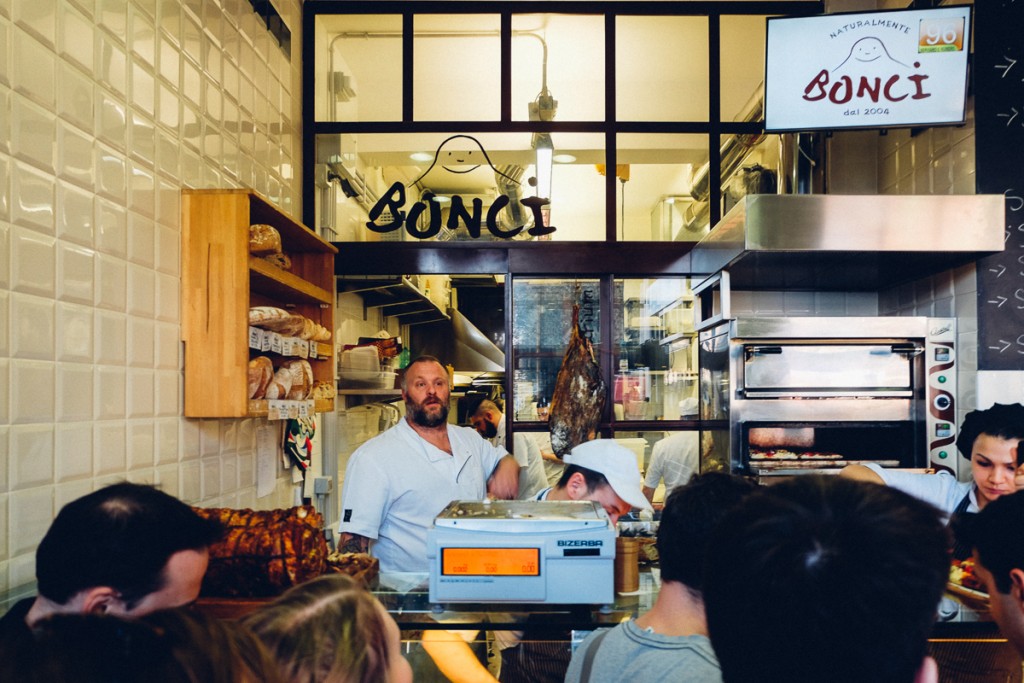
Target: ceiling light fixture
x=545, y=149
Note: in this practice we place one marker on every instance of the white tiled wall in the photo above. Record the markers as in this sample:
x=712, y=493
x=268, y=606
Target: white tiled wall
x=777, y=304
x=107, y=109
x=941, y=161
x=356, y=424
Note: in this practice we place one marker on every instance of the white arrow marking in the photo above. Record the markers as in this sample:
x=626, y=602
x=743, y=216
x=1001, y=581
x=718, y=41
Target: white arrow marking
x=1002, y=300
x=1007, y=67
x=999, y=273
x=1000, y=349
x=1012, y=116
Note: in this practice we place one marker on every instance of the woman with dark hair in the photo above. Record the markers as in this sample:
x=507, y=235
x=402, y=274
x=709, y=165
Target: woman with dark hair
x=169, y=646
x=990, y=439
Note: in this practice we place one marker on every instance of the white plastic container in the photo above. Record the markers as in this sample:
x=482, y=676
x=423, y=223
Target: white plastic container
x=359, y=367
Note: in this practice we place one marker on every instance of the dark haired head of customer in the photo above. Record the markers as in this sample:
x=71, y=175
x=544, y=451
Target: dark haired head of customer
x=125, y=549
x=821, y=578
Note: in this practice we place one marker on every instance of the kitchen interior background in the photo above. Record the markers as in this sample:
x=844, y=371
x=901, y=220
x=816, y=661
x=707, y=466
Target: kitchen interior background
x=111, y=107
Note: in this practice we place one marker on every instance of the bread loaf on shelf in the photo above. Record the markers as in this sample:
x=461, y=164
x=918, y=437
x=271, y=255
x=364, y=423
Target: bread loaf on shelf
x=280, y=385
x=308, y=330
x=264, y=552
x=302, y=379
x=323, y=390
x=280, y=259
x=292, y=381
x=262, y=316
x=291, y=327
x=264, y=239
x=261, y=372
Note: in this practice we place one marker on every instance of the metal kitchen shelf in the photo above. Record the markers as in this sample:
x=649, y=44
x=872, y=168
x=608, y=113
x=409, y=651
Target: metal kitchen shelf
x=396, y=296
x=675, y=303
x=392, y=393
x=676, y=337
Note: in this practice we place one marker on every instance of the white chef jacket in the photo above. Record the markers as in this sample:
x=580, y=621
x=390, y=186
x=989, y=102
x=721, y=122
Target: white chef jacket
x=673, y=459
x=940, y=489
x=531, y=465
x=526, y=452
x=396, y=483
x=499, y=438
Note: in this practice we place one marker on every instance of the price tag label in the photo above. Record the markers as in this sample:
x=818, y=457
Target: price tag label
x=276, y=343
x=255, y=338
x=277, y=410
x=313, y=346
x=302, y=348
x=289, y=346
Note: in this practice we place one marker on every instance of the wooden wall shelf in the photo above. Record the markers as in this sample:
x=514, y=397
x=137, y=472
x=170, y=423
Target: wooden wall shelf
x=266, y=278
x=220, y=281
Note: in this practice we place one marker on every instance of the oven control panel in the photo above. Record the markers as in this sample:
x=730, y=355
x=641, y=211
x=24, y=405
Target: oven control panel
x=940, y=387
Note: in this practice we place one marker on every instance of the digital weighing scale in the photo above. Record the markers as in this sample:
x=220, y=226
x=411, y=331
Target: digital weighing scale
x=559, y=552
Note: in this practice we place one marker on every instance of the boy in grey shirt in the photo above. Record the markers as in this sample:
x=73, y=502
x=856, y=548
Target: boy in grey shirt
x=670, y=642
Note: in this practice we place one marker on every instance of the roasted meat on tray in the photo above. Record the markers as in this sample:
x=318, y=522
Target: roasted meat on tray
x=264, y=552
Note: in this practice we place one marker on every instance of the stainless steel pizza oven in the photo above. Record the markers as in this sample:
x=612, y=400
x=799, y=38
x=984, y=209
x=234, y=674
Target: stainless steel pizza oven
x=783, y=396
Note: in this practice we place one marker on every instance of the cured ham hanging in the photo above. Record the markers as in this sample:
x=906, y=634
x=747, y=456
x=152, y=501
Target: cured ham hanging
x=580, y=393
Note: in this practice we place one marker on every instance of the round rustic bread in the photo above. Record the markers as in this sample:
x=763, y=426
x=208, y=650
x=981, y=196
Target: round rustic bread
x=302, y=378
x=264, y=239
x=261, y=371
x=281, y=384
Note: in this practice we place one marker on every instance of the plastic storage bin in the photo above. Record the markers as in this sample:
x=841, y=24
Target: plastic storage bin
x=359, y=368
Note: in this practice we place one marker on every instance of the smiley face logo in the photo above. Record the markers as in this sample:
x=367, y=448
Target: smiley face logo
x=869, y=52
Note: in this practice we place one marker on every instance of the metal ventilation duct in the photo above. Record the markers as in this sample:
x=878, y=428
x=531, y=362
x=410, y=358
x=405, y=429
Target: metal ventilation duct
x=848, y=242
x=459, y=343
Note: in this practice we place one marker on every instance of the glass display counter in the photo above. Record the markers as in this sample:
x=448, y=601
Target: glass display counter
x=965, y=641
x=405, y=597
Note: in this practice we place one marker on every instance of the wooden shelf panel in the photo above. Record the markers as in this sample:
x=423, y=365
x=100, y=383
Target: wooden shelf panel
x=268, y=279
x=262, y=210
x=296, y=235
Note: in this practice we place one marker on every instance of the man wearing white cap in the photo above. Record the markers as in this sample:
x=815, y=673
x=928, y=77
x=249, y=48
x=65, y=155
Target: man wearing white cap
x=606, y=473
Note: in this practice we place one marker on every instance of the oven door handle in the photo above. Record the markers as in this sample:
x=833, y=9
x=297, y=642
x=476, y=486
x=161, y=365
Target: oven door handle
x=761, y=350
x=909, y=349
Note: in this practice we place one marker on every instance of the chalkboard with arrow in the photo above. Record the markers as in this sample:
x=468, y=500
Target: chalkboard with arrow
x=999, y=164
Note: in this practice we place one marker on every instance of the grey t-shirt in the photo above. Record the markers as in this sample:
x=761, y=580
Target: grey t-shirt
x=630, y=653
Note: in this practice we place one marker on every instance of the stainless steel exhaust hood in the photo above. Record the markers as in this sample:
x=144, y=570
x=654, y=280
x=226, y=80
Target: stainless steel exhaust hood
x=458, y=343
x=848, y=242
